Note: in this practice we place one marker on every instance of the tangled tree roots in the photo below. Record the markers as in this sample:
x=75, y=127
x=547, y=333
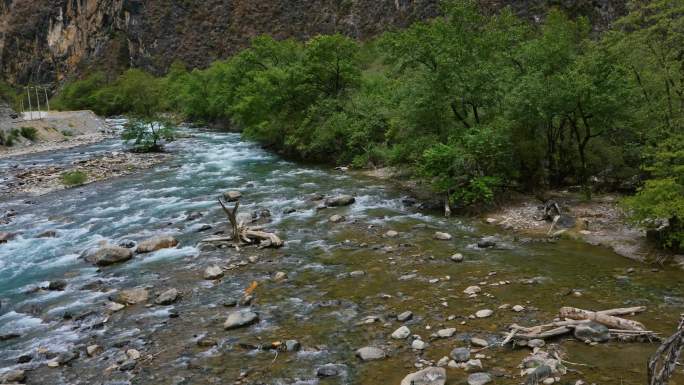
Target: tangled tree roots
x=664, y=361
x=241, y=234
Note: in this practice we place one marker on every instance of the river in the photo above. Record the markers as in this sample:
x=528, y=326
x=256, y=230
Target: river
x=320, y=304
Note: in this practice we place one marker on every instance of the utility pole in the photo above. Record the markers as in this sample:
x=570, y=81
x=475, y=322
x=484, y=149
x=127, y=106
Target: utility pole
x=47, y=101
x=28, y=92
x=40, y=114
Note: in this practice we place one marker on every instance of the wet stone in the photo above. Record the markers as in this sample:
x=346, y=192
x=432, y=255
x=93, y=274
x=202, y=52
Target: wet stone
x=240, y=318
x=440, y=236
x=156, y=243
x=340, y=200
x=460, y=354
x=329, y=370
x=479, y=378
x=428, y=376
x=167, y=297
x=458, y=257
x=292, y=345
x=479, y=342
x=13, y=376
x=133, y=296
x=232, y=196
x=405, y=316
x=336, y=218
x=109, y=255
x=213, y=272
x=487, y=242
x=57, y=285
x=127, y=365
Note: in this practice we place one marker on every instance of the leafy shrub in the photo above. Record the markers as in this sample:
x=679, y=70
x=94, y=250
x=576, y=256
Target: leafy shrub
x=29, y=133
x=74, y=178
x=147, y=135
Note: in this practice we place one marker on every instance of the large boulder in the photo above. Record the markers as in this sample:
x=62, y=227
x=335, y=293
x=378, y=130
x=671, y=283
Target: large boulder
x=428, y=376
x=156, y=243
x=240, y=318
x=108, y=255
x=340, y=200
x=592, y=331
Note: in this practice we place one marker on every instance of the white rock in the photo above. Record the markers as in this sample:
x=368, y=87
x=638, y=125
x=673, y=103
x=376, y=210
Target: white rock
x=446, y=333
x=479, y=342
x=391, y=234
x=484, y=313
x=442, y=236
x=472, y=290
x=401, y=333
x=518, y=308
x=213, y=272
x=418, y=344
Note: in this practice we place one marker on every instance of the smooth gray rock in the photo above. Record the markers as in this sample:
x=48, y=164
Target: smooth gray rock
x=592, y=331
x=401, y=333
x=370, y=353
x=156, y=243
x=480, y=378
x=292, y=345
x=330, y=370
x=405, y=316
x=167, y=297
x=13, y=376
x=460, y=354
x=240, y=318
x=109, y=255
x=213, y=272
x=340, y=200
x=427, y=376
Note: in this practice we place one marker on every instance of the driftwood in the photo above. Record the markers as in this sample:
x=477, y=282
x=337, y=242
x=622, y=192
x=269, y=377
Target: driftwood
x=663, y=362
x=241, y=234
x=600, y=317
x=572, y=317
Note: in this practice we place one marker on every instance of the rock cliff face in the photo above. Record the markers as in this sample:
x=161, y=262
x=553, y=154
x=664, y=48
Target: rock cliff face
x=48, y=40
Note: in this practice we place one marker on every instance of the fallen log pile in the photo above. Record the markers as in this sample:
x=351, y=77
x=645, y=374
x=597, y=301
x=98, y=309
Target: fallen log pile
x=241, y=234
x=603, y=324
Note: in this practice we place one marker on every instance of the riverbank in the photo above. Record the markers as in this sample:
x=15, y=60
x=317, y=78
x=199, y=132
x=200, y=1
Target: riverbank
x=600, y=221
x=55, y=130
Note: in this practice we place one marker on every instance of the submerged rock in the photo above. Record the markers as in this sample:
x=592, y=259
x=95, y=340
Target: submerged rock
x=6, y=237
x=340, y=200
x=370, y=353
x=109, y=255
x=57, y=285
x=240, y=318
x=156, y=243
x=13, y=376
x=337, y=218
x=330, y=370
x=460, y=354
x=428, y=376
x=487, y=242
x=479, y=378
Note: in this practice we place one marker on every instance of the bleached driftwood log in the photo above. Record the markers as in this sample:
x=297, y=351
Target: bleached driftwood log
x=600, y=317
x=663, y=362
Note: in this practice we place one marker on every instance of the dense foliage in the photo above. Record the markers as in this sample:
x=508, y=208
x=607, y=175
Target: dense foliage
x=472, y=103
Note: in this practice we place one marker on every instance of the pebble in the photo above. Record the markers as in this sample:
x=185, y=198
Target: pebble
x=458, y=257
x=405, y=316
x=484, y=313
x=240, y=318
x=401, y=333
x=518, y=308
x=279, y=276
x=418, y=344
x=391, y=234
x=292, y=345
x=446, y=333
x=93, y=350
x=472, y=290
x=357, y=273
x=440, y=236
x=133, y=354
x=479, y=342
x=473, y=365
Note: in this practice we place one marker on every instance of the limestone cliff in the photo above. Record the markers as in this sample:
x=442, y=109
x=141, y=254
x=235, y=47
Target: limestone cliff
x=47, y=40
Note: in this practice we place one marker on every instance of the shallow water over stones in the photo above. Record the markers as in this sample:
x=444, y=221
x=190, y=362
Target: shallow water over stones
x=344, y=283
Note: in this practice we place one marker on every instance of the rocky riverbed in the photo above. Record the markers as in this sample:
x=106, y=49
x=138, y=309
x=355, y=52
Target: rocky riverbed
x=110, y=283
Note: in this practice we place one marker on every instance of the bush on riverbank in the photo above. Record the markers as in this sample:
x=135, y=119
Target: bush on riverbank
x=74, y=178
x=472, y=103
